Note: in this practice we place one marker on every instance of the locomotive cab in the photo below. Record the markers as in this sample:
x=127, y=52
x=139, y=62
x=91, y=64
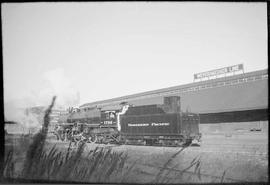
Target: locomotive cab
x=108, y=118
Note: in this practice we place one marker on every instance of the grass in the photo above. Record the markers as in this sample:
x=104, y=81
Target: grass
x=99, y=165
x=8, y=166
x=165, y=176
x=71, y=165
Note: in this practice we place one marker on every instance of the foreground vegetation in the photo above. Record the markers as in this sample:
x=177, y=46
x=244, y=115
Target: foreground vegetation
x=53, y=164
x=99, y=165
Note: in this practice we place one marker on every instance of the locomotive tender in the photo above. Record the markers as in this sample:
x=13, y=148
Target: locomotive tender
x=158, y=124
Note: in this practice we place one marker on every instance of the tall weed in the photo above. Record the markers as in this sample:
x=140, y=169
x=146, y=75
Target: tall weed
x=99, y=165
x=167, y=169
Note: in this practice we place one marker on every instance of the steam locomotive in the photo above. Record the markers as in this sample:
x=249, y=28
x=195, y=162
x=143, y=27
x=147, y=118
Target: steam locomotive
x=158, y=124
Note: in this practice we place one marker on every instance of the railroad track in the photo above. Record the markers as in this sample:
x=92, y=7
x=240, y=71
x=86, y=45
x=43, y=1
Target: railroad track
x=198, y=149
x=190, y=173
x=232, y=144
x=249, y=150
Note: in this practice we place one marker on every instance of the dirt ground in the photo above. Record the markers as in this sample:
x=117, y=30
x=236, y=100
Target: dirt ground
x=235, y=157
x=239, y=157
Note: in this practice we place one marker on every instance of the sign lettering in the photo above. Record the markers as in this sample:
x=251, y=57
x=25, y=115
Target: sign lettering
x=216, y=72
x=147, y=124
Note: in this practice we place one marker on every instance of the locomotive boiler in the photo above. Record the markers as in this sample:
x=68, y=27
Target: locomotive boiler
x=159, y=124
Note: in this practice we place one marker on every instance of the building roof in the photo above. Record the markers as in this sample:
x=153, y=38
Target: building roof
x=238, y=92
x=111, y=107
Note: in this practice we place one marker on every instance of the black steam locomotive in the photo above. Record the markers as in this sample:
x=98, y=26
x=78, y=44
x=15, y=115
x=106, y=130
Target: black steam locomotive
x=158, y=124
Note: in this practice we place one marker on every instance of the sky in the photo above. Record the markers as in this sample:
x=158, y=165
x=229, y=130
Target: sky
x=90, y=51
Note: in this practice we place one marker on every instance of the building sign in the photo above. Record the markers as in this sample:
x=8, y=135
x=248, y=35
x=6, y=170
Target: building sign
x=217, y=72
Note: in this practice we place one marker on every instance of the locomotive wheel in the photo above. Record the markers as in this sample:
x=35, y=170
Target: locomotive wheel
x=188, y=142
x=92, y=139
x=107, y=139
x=62, y=137
x=80, y=142
x=56, y=135
x=76, y=139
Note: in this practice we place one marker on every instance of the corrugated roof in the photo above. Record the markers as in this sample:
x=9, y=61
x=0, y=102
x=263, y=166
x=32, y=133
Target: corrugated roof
x=111, y=107
x=123, y=98
x=242, y=96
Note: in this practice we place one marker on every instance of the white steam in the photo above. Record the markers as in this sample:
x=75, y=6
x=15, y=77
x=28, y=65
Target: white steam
x=55, y=83
x=28, y=122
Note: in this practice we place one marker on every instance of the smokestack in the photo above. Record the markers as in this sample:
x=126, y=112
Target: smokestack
x=172, y=104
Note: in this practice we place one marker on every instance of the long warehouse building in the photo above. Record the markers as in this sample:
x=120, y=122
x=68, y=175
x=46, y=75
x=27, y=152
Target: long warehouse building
x=237, y=98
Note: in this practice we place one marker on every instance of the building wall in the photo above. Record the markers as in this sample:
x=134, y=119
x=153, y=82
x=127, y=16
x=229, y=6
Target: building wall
x=234, y=127
x=208, y=84
x=243, y=96
x=232, y=94
x=233, y=97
